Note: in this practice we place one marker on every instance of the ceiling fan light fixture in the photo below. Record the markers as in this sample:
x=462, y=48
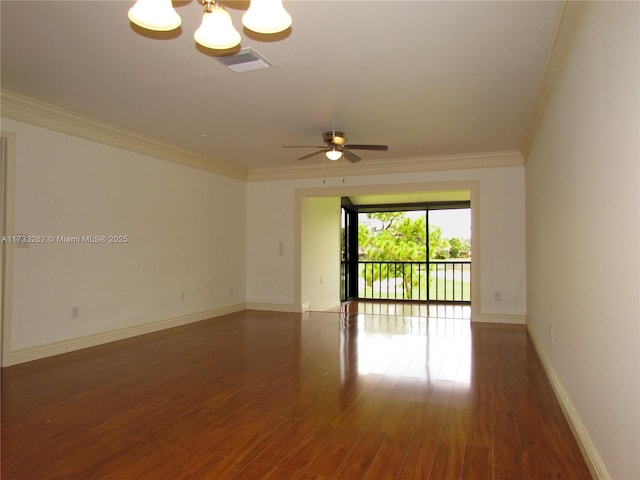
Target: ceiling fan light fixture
x=266, y=16
x=336, y=147
x=334, y=137
x=339, y=139
x=333, y=154
x=158, y=15
x=217, y=30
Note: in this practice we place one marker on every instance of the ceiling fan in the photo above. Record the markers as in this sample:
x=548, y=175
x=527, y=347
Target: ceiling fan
x=336, y=146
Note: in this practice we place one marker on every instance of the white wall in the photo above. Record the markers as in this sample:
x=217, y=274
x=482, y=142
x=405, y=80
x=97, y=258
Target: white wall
x=320, y=253
x=270, y=246
x=186, y=232
x=583, y=239
x=274, y=213
x=502, y=242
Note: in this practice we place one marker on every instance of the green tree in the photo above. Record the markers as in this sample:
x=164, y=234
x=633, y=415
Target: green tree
x=459, y=248
x=394, y=236
x=438, y=246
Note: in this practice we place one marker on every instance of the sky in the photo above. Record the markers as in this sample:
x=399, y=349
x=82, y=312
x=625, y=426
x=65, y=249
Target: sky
x=454, y=223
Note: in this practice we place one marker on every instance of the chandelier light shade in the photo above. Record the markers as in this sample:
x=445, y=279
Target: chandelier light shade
x=333, y=154
x=266, y=16
x=157, y=15
x=217, y=30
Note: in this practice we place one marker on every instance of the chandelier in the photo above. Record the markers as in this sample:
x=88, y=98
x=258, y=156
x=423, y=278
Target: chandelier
x=217, y=30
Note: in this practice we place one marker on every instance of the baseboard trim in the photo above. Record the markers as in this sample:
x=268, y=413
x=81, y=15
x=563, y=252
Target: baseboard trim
x=14, y=357
x=498, y=318
x=277, y=307
x=325, y=306
x=592, y=458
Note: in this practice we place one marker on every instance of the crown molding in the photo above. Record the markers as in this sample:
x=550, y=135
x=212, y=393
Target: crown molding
x=28, y=110
x=567, y=28
x=510, y=158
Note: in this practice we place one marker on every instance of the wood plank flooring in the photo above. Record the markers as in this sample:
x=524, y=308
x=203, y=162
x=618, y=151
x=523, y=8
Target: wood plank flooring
x=358, y=394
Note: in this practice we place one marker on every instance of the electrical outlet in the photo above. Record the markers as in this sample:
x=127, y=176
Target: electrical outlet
x=497, y=296
x=182, y=296
x=551, y=333
x=75, y=312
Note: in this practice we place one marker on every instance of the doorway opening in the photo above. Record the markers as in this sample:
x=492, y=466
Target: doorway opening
x=406, y=252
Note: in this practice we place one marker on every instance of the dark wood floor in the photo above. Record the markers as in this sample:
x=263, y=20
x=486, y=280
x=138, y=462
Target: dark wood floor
x=259, y=395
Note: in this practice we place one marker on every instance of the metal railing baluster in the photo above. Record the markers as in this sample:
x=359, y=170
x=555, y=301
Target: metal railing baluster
x=446, y=280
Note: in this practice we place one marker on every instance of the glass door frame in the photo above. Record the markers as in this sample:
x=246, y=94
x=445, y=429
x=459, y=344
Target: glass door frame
x=349, y=253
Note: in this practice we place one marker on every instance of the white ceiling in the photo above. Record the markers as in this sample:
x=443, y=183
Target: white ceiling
x=426, y=78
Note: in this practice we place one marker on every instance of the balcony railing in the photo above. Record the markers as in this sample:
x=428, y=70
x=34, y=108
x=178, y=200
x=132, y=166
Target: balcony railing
x=438, y=280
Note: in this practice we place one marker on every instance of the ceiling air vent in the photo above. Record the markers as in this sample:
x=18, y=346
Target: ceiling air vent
x=245, y=60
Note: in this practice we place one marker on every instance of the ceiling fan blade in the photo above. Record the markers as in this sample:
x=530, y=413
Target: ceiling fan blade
x=336, y=140
x=303, y=146
x=369, y=147
x=352, y=157
x=311, y=154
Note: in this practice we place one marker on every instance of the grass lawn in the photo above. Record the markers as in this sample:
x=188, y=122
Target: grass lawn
x=440, y=290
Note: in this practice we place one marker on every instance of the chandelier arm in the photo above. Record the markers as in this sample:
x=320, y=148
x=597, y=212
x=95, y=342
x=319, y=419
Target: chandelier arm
x=209, y=5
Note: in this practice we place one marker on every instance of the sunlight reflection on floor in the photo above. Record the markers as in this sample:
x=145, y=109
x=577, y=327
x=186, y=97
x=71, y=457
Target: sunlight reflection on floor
x=409, y=346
